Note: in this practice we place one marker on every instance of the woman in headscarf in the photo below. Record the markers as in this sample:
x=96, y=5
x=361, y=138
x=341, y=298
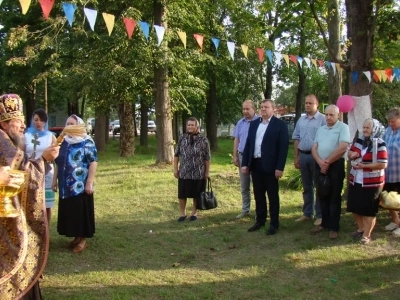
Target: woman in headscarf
x=37, y=139
x=75, y=171
x=368, y=156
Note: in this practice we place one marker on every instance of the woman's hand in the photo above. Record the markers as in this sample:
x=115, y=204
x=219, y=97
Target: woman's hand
x=54, y=187
x=89, y=187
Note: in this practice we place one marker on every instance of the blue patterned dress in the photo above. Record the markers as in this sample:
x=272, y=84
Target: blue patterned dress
x=76, y=208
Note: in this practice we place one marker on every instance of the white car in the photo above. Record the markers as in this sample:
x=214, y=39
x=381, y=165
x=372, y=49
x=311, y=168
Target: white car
x=115, y=127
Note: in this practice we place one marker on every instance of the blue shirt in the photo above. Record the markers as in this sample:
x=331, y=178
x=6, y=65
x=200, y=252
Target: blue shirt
x=392, y=140
x=306, y=129
x=328, y=138
x=241, y=131
x=73, y=167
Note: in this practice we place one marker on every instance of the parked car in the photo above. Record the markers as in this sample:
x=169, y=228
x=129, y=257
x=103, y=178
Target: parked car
x=56, y=130
x=151, y=126
x=115, y=127
x=90, y=126
x=289, y=119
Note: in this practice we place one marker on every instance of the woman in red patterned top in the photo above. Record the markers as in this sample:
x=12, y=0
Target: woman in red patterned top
x=368, y=156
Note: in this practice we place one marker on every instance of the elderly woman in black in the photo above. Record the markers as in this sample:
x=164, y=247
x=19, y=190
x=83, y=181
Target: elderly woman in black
x=191, y=166
x=368, y=157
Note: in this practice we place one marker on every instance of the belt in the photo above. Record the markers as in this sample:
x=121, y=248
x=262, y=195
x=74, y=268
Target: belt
x=256, y=158
x=304, y=152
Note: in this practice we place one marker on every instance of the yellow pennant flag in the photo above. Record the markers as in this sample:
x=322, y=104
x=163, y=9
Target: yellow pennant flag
x=245, y=49
x=25, y=5
x=383, y=75
x=338, y=68
x=182, y=36
x=314, y=62
x=110, y=20
x=286, y=58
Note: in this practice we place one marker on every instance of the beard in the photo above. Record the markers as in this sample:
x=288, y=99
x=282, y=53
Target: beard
x=17, y=139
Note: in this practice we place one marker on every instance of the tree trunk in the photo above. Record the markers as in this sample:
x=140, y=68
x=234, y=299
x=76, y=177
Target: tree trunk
x=211, y=110
x=334, y=78
x=144, y=109
x=302, y=77
x=99, y=129
x=268, y=82
x=127, y=138
x=165, y=153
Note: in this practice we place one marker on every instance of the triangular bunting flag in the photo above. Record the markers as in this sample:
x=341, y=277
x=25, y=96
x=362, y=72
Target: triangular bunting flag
x=160, y=31
x=376, y=76
x=110, y=21
x=46, y=5
x=338, y=68
x=308, y=62
x=231, y=49
x=300, y=60
x=354, y=76
x=286, y=58
x=25, y=5
x=199, y=38
x=314, y=62
x=216, y=44
x=183, y=37
x=278, y=58
x=269, y=55
x=129, y=26
x=145, y=29
x=333, y=65
x=389, y=74
x=293, y=58
x=245, y=49
x=91, y=15
x=260, y=52
x=368, y=75
x=1, y=1
x=69, y=11
x=383, y=75
x=396, y=73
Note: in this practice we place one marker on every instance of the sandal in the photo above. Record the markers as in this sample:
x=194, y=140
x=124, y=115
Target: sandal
x=392, y=226
x=182, y=218
x=356, y=234
x=74, y=243
x=193, y=218
x=365, y=240
x=79, y=248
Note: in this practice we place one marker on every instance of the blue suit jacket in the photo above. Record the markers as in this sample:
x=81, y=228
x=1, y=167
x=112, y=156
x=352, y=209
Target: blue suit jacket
x=274, y=147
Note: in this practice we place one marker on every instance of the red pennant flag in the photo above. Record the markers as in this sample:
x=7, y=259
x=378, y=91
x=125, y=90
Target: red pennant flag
x=130, y=26
x=320, y=63
x=389, y=74
x=47, y=6
x=199, y=38
x=293, y=58
x=260, y=52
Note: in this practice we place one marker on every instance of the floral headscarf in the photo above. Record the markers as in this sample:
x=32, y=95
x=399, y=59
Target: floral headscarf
x=377, y=132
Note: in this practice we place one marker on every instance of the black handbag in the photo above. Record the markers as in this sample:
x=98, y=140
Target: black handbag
x=207, y=199
x=323, y=185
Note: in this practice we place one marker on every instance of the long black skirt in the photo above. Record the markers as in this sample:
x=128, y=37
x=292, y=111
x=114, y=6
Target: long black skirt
x=76, y=216
x=363, y=201
x=190, y=188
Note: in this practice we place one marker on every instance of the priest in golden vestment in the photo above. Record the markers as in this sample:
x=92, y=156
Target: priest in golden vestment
x=24, y=239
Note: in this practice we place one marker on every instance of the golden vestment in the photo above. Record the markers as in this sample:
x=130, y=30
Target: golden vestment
x=24, y=240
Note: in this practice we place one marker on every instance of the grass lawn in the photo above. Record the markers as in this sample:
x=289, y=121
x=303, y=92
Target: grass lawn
x=140, y=251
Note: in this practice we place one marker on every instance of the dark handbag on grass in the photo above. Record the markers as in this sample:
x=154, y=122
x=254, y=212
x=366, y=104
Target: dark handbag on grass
x=323, y=185
x=207, y=199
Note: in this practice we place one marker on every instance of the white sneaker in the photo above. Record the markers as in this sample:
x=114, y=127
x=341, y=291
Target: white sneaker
x=396, y=232
x=392, y=226
x=242, y=215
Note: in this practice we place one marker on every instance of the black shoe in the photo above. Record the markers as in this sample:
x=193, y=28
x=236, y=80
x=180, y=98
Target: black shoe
x=271, y=231
x=255, y=227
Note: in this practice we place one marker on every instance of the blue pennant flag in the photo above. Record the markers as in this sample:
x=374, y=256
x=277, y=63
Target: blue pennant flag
x=269, y=55
x=145, y=28
x=354, y=76
x=69, y=11
x=396, y=73
x=216, y=44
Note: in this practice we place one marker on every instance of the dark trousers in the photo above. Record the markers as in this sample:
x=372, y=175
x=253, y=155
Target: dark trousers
x=331, y=205
x=265, y=182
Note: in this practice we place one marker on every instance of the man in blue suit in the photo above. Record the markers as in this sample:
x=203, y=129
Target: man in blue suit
x=264, y=156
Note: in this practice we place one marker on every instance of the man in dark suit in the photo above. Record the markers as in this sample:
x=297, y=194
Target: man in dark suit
x=265, y=157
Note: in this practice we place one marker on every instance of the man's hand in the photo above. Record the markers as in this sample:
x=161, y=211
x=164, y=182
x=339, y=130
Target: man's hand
x=278, y=174
x=236, y=160
x=51, y=153
x=324, y=165
x=297, y=162
x=245, y=170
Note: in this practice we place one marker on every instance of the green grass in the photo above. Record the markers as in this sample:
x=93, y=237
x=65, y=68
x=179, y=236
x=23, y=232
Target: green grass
x=140, y=251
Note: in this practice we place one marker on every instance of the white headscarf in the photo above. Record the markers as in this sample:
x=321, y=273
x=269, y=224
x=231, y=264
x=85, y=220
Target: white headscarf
x=75, y=139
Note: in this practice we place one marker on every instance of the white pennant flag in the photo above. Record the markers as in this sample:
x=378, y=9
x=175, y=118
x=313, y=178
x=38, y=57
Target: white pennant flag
x=333, y=65
x=160, y=30
x=308, y=62
x=231, y=48
x=368, y=75
x=278, y=57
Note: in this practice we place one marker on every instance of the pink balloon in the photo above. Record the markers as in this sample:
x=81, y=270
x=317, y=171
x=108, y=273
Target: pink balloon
x=345, y=103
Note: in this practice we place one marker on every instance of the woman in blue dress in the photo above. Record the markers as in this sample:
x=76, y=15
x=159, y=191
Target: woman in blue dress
x=75, y=171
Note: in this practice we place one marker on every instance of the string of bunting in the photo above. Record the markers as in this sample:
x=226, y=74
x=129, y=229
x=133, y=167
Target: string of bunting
x=130, y=25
